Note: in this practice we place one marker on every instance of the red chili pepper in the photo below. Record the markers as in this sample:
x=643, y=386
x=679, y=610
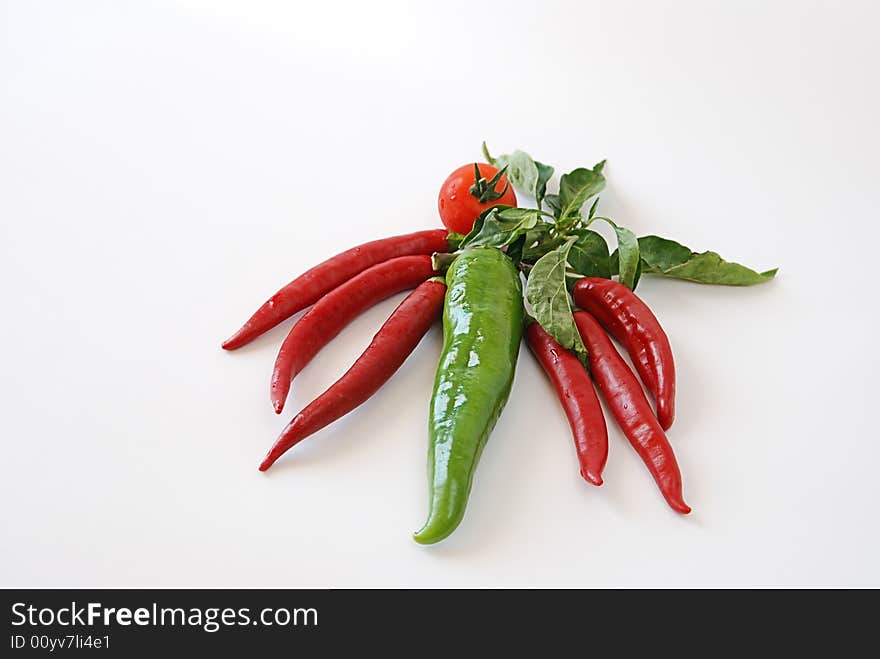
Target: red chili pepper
x=630, y=321
x=627, y=401
x=337, y=309
x=313, y=284
x=578, y=398
x=393, y=343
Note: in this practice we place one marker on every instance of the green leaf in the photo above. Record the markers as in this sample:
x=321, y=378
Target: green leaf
x=643, y=268
x=548, y=296
x=638, y=274
x=501, y=226
x=515, y=250
x=554, y=203
x=545, y=172
x=454, y=239
x=523, y=172
x=589, y=255
x=666, y=258
x=577, y=186
x=710, y=268
x=515, y=213
x=661, y=253
x=475, y=230
x=538, y=242
x=628, y=257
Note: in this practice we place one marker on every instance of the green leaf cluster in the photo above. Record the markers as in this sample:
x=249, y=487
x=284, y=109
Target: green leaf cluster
x=554, y=245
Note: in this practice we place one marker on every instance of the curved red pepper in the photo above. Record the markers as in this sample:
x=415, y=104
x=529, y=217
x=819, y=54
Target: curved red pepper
x=627, y=401
x=578, y=398
x=393, y=343
x=631, y=322
x=313, y=284
x=336, y=310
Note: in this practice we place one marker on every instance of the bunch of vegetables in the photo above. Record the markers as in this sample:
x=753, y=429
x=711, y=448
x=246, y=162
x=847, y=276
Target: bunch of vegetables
x=472, y=274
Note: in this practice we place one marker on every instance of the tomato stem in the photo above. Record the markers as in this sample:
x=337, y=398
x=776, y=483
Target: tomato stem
x=485, y=190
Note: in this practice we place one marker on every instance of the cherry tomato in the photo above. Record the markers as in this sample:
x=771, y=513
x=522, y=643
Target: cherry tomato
x=463, y=198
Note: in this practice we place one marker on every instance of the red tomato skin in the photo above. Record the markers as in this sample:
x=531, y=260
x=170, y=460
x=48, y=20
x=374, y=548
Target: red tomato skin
x=458, y=207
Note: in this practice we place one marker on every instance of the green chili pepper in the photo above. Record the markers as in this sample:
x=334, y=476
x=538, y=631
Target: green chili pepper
x=482, y=327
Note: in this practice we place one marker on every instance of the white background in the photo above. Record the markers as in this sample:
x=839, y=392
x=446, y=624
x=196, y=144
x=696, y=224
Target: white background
x=165, y=166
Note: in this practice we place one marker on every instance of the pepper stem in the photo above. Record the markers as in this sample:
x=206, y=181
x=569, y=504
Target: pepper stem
x=441, y=261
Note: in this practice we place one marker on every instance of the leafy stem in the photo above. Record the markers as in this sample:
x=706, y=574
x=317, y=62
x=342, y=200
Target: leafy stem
x=593, y=218
x=487, y=155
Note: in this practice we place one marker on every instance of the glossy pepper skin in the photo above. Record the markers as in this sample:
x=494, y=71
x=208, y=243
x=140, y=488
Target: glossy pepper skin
x=482, y=328
x=336, y=310
x=631, y=322
x=314, y=284
x=579, y=400
x=627, y=401
x=393, y=343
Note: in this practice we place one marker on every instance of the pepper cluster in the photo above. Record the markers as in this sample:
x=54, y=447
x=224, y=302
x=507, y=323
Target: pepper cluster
x=491, y=245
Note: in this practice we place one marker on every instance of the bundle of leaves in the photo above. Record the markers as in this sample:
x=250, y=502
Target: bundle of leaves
x=554, y=245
